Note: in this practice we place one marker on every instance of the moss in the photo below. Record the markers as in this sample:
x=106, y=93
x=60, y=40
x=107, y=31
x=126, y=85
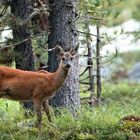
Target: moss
x=131, y=123
x=132, y=126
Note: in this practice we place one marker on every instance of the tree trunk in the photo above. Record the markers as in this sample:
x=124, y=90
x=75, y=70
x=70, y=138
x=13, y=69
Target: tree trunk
x=90, y=63
x=98, y=65
x=23, y=52
x=62, y=32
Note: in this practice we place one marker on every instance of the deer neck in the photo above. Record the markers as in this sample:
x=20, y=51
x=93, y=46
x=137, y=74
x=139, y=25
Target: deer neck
x=60, y=76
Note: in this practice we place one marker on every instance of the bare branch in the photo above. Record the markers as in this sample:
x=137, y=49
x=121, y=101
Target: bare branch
x=95, y=18
x=84, y=78
x=94, y=56
x=35, y=12
x=1, y=30
x=85, y=83
x=84, y=71
x=87, y=33
x=4, y=10
x=22, y=41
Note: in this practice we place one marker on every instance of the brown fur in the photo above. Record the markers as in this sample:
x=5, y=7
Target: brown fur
x=36, y=86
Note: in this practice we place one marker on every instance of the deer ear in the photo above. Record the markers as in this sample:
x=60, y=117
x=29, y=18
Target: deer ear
x=60, y=50
x=73, y=51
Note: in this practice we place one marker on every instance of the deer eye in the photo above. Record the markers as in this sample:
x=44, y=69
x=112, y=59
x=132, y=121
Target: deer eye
x=63, y=59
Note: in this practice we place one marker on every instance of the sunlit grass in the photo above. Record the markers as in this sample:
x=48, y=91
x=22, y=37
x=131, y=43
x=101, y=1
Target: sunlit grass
x=100, y=122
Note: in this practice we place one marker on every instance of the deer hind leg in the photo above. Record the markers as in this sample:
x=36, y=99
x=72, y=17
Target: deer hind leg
x=46, y=108
x=1, y=94
x=5, y=92
x=37, y=107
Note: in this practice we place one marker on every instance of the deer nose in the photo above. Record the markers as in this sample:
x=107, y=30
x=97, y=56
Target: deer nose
x=67, y=66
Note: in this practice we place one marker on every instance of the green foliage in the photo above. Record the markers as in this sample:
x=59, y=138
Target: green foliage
x=100, y=11
x=132, y=7
x=113, y=12
x=97, y=123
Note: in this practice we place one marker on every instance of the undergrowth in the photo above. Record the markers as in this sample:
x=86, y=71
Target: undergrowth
x=102, y=122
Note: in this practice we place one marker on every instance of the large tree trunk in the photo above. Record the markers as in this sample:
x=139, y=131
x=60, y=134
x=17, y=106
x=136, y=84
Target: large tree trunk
x=62, y=32
x=23, y=52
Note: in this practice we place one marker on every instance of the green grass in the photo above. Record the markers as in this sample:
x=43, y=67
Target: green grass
x=97, y=123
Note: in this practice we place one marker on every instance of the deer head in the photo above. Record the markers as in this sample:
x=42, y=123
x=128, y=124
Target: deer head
x=67, y=57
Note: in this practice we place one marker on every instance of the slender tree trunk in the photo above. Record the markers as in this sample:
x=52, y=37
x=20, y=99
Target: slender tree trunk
x=89, y=59
x=62, y=32
x=91, y=76
x=98, y=65
x=23, y=52
x=90, y=63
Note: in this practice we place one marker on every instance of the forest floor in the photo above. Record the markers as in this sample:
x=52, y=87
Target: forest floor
x=116, y=118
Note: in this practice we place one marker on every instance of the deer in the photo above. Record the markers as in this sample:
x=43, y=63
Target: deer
x=39, y=86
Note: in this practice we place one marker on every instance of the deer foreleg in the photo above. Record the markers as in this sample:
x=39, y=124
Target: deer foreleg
x=37, y=107
x=46, y=108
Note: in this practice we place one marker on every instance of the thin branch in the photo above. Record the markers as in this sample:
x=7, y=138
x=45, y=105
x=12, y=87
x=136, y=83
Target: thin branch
x=77, y=17
x=94, y=56
x=95, y=18
x=84, y=98
x=85, y=65
x=1, y=30
x=40, y=2
x=84, y=71
x=92, y=76
x=3, y=11
x=84, y=90
x=28, y=18
x=85, y=83
x=84, y=78
x=22, y=41
x=35, y=12
x=46, y=49
x=12, y=45
x=87, y=33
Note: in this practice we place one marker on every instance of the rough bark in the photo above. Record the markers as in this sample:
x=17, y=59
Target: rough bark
x=23, y=52
x=62, y=32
